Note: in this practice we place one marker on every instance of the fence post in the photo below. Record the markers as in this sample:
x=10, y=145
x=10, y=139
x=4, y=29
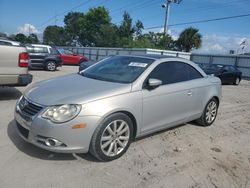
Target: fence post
x=90, y=54
x=97, y=55
x=211, y=59
x=236, y=62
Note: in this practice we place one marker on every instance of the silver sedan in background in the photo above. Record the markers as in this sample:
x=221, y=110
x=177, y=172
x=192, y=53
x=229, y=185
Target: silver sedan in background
x=103, y=108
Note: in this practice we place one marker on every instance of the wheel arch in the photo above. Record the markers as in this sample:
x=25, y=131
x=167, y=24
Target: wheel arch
x=217, y=99
x=130, y=115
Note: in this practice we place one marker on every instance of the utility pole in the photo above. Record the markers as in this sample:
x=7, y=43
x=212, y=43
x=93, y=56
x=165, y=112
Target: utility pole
x=167, y=14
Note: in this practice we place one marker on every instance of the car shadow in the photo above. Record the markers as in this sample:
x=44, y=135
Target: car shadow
x=39, y=153
x=9, y=93
x=37, y=69
x=160, y=132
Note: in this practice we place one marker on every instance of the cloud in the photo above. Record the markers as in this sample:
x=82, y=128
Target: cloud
x=27, y=29
x=219, y=44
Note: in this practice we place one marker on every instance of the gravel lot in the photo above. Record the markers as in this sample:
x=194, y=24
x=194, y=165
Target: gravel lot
x=187, y=156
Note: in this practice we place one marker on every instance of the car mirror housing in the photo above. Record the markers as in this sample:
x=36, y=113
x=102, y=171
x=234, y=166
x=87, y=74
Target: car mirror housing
x=154, y=83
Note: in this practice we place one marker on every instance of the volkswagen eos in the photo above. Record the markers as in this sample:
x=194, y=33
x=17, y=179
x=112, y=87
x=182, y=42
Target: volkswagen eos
x=103, y=108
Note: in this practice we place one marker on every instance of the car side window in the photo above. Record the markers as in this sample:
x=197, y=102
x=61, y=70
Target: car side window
x=174, y=72
x=41, y=50
x=54, y=51
x=230, y=68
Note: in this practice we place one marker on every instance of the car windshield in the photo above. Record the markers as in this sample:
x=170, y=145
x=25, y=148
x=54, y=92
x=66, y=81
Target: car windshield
x=121, y=69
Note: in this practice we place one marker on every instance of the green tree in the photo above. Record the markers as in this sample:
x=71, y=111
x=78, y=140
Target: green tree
x=138, y=28
x=158, y=40
x=54, y=35
x=72, y=24
x=141, y=42
x=189, y=39
x=32, y=38
x=21, y=38
x=126, y=30
x=91, y=25
x=108, y=36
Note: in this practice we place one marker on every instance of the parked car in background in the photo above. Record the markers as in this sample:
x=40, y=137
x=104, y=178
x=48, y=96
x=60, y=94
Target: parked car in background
x=201, y=65
x=9, y=42
x=44, y=56
x=227, y=73
x=14, y=61
x=70, y=58
x=103, y=108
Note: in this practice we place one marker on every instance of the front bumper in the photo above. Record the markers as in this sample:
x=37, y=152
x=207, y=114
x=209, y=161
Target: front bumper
x=36, y=130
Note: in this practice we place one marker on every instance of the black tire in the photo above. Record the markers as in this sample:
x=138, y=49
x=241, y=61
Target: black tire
x=95, y=145
x=203, y=119
x=237, y=81
x=50, y=66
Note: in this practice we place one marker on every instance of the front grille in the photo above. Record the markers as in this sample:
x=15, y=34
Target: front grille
x=22, y=130
x=29, y=108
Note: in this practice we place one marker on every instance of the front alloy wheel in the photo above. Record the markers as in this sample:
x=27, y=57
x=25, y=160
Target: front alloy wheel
x=112, y=138
x=209, y=114
x=51, y=66
x=115, y=138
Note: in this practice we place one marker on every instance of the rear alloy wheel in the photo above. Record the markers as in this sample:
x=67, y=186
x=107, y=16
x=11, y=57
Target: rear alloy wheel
x=209, y=113
x=237, y=81
x=51, y=66
x=112, y=138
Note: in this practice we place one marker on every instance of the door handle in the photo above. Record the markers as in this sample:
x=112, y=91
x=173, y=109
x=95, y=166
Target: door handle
x=190, y=93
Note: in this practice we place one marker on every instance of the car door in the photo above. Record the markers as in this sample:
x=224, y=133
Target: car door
x=170, y=103
x=69, y=57
x=228, y=75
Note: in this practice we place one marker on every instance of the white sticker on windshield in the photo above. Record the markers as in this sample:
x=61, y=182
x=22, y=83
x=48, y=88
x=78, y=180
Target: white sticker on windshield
x=135, y=64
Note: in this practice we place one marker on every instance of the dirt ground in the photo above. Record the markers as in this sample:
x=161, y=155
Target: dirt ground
x=187, y=156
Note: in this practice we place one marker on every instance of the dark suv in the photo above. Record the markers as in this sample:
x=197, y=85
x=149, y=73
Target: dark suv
x=44, y=56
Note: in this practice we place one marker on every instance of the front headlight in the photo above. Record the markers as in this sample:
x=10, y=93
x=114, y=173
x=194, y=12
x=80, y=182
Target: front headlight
x=62, y=113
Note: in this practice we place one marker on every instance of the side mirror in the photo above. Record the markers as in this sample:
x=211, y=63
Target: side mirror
x=154, y=83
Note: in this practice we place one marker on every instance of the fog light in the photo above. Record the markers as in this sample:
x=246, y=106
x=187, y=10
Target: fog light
x=53, y=142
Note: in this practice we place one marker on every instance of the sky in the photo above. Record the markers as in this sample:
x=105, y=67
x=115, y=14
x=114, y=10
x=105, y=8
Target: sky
x=22, y=16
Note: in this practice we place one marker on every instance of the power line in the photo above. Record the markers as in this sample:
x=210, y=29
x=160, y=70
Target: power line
x=132, y=6
x=62, y=13
x=201, y=21
x=197, y=9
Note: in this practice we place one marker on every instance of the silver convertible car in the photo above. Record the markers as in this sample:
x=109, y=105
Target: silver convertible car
x=106, y=106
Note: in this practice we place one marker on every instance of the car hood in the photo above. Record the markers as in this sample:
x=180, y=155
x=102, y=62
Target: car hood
x=73, y=89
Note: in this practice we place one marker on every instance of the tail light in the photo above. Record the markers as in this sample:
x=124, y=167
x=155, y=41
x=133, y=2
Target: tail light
x=23, y=59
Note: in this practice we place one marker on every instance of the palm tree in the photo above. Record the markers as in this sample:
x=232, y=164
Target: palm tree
x=189, y=38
